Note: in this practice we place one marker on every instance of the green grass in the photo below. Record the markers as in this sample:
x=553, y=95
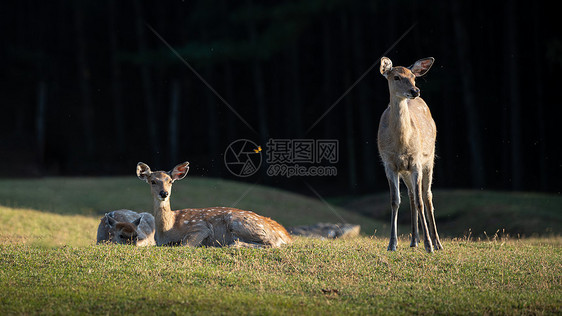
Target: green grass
x=46, y=229
x=313, y=277
x=50, y=265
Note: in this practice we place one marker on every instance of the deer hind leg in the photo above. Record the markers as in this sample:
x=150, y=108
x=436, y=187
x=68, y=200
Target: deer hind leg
x=241, y=244
x=249, y=231
x=416, y=178
x=394, y=184
x=428, y=201
x=414, y=216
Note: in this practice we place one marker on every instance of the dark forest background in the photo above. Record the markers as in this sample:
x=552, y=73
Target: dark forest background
x=87, y=88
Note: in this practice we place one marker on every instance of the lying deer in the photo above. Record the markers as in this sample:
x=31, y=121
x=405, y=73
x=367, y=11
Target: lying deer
x=127, y=227
x=406, y=141
x=213, y=226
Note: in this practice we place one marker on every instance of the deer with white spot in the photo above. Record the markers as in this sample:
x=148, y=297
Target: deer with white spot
x=406, y=141
x=213, y=226
x=126, y=227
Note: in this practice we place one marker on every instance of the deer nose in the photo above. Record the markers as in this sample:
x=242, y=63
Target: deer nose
x=163, y=194
x=415, y=92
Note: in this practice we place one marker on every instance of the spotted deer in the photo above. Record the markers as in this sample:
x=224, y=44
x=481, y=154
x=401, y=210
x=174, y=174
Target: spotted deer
x=212, y=226
x=406, y=142
x=127, y=227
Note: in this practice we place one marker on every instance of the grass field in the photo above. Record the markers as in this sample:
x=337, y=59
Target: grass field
x=309, y=277
x=50, y=265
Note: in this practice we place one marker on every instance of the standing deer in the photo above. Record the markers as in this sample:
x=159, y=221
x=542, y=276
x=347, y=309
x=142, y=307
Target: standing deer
x=406, y=141
x=213, y=226
x=127, y=227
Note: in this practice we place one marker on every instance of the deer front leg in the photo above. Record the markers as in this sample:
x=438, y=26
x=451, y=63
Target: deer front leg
x=414, y=216
x=415, y=225
x=394, y=184
x=197, y=234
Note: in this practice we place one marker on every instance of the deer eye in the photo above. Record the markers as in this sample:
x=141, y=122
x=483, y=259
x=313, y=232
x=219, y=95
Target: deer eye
x=396, y=78
x=153, y=182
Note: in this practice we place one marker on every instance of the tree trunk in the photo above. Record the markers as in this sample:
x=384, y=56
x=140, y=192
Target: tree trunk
x=327, y=82
x=368, y=142
x=213, y=127
x=173, y=121
x=231, y=119
x=469, y=103
x=261, y=106
x=228, y=76
x=539, y=101
x=514, y=103
x=351, y=156
x=259, y=87
x=116, y=85
x=295, y=104
x=447, y=165
x=150, y=115
x=212, y=115
x=278, y=91
x=390, y=25
x=84, y=78
x=40, y=121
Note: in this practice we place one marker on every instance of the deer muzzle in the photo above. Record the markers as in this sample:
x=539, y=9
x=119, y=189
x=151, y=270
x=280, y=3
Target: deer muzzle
x=163, y=195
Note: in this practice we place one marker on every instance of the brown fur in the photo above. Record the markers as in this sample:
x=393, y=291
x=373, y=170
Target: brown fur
x=126, y=228
x=406, y=142
x=214, y=226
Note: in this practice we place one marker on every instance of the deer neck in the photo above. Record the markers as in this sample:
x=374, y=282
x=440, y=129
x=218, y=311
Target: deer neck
x=163, y=215
x=400, y=119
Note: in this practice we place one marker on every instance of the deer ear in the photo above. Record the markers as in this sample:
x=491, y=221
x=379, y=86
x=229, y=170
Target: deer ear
x=137, y=221
x=421, y=67
x=143, y=171
x=386, y=66
x=111, y=221
x=180, y=171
